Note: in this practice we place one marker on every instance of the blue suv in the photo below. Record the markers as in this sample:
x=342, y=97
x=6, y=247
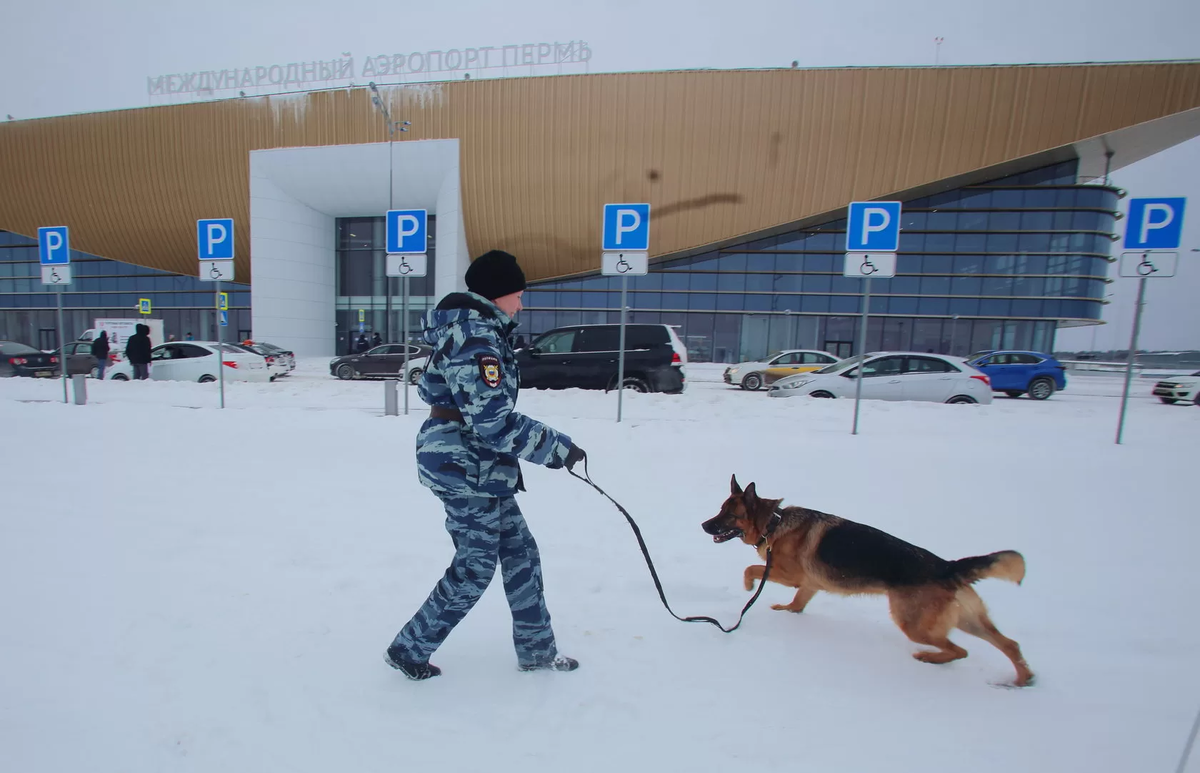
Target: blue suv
x=1016, y=373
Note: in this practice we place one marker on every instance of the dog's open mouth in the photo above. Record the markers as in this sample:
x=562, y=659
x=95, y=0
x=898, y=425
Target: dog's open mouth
x=725, y=536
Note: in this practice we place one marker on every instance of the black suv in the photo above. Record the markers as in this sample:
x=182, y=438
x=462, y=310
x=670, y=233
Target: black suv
x=585, y=357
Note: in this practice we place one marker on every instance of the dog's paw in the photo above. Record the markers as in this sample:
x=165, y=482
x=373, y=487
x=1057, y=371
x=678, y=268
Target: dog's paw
x=749, y=583
x=784, y=608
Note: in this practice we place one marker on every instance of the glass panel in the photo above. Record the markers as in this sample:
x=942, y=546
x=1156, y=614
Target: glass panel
x=704, y=282
x=1004, y=221
x=901, y=305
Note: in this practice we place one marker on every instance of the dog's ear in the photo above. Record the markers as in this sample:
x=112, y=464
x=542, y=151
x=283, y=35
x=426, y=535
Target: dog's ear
x=751, y=496
x=734, y=488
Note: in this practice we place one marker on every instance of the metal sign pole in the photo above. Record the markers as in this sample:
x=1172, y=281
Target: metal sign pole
x=621, y=355
x=1137, y=325
x=404, y=340
x=862, y=348
x=1187, y=749
x=220, y=348
x=62, y=344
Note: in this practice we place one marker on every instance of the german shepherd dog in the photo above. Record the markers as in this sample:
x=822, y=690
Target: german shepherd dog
x=813, y=551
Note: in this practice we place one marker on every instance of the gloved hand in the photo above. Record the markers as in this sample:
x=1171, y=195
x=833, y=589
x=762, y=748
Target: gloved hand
x=574, y=456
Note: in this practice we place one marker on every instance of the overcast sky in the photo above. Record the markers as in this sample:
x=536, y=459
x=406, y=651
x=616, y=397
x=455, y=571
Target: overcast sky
x=77, y=56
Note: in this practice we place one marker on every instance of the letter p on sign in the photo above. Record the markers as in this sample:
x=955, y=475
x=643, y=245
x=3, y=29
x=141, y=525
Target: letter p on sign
x=873, y=226
x=626, y=227
x=214, y=239
x=1155, y=224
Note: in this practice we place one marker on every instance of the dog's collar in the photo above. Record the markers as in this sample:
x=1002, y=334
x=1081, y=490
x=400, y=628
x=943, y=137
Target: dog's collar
x=772, y=525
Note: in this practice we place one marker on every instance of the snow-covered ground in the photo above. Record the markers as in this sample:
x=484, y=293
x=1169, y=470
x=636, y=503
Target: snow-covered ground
x=184, y=588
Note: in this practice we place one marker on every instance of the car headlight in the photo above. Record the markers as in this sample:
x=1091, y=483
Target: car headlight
x=732, y=371
x=797, y=384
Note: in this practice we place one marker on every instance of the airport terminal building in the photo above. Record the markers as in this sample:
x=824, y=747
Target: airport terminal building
x=1008, y=224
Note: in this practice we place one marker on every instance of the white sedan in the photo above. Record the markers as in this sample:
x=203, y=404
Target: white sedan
x=893, y=376
x=755, y=375
x=1179, y=389
x=197, y=361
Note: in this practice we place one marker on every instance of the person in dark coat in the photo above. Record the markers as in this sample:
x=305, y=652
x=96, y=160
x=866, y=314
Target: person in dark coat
x=137, y=351
x=362, y=343
x=376, y=340
x=100, y=351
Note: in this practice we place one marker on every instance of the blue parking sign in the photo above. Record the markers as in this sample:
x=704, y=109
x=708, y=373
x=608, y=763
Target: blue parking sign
x=214, y=238
x=626, y=228
x=1155, y=224
x=406, y=232
x=873, y=226
x=54, y=245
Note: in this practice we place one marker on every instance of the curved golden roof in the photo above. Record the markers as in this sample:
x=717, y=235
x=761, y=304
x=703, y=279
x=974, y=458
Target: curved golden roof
x=717, y=154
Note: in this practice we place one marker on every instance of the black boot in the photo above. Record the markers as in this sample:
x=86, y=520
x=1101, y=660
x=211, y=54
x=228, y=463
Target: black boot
x=559, y=663
x=412, y=669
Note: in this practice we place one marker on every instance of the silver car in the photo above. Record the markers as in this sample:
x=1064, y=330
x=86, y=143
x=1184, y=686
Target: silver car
x=893, y=376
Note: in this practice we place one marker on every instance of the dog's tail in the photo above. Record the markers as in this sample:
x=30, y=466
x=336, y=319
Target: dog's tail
x=1003, y=565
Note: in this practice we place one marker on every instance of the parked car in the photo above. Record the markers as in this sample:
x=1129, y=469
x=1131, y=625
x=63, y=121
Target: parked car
x=586, y=357
x=382, y=361
x=80, y=359
x=197, y=361
x=1016, y=373
x=276, y=366
x=17, y=359
x=759, y=373
x=1179, y=389
x=893, y=376
x=286, y=356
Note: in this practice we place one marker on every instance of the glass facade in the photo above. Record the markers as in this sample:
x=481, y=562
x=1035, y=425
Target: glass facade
x=995, y=265
x=363, y=285
x=107, y=288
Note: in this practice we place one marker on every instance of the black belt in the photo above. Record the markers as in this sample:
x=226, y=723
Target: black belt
x=442, y=412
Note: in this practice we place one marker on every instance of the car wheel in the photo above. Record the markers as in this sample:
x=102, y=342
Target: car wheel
x=636, y=384
x=1013, y=392
x=118, y=377
x=752, y=382
x=821, y=393
x=1041, y=388
x=95, y=373
x=414, y=376
x=1170, y=400
x=345, y=372
x=207, y=378
x=962, y=400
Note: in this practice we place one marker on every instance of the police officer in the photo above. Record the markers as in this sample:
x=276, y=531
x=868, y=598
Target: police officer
x=467, y=452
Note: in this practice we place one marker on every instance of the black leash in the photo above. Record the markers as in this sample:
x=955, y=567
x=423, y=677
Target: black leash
x=586, y=478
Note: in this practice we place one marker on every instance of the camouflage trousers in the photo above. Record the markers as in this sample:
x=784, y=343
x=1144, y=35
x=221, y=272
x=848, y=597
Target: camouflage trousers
x=486, y=531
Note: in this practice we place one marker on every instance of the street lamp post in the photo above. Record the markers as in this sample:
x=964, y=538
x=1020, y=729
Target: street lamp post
x=392, y=127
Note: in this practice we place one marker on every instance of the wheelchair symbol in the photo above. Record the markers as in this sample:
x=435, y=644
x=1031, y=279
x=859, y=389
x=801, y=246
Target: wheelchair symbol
x=214, y=272
x=54, y=277
x=867, y=268
x=623, y=266
x=1146, y=268
x=404, y=268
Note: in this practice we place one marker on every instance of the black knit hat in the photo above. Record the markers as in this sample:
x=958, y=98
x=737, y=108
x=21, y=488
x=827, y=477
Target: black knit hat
x=495, y=274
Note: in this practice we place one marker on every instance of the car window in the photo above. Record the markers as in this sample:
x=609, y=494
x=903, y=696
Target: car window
x=556, y=343
x=813, y=358
x=788, y=359
x=1024, y=359
x=162, y=353
x=599, y=339
x=885, y=366
x=14, y=348
x=646, y=336
x=928, y=365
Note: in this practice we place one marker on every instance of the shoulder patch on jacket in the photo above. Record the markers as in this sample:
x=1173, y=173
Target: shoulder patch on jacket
x=489, y=370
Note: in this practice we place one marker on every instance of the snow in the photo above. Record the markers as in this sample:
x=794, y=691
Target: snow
x=186, y=588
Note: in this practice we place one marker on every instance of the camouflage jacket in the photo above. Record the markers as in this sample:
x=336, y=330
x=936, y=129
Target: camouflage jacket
x=473, y=369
